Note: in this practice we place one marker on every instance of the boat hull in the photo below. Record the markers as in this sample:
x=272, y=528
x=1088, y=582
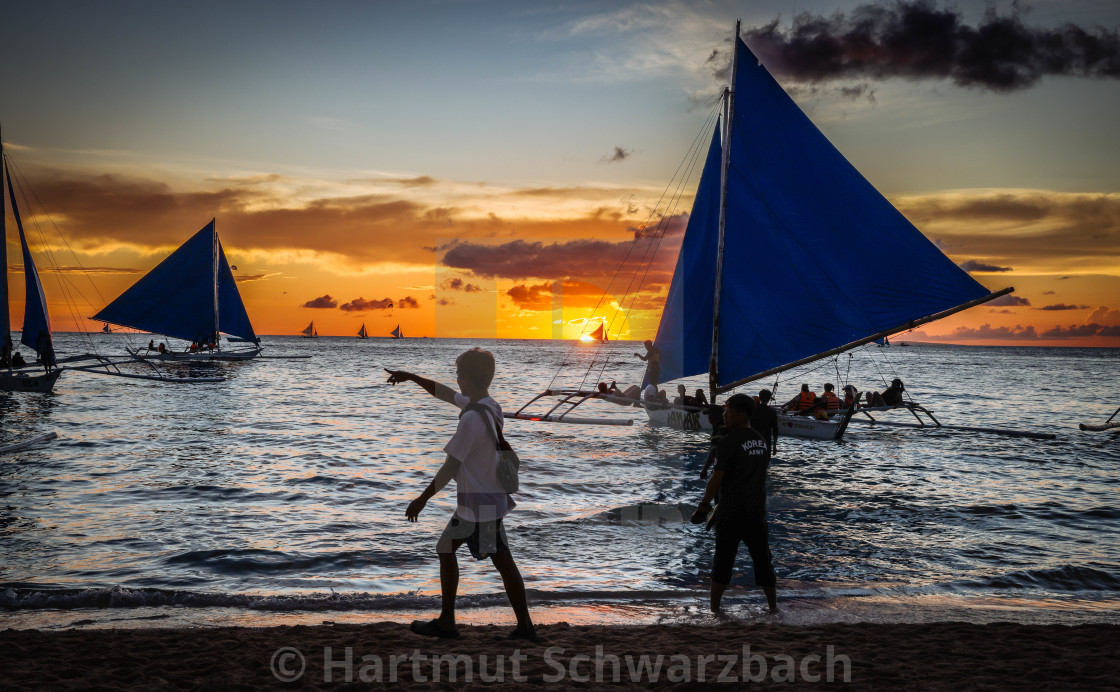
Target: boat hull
x=16, y=381
x=174, y=357
x=689, y=419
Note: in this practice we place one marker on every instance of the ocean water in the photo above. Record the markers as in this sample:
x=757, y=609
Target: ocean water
x=278, y=495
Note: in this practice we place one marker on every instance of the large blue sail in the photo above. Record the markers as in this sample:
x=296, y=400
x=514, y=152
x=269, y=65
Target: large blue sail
x=36, y=324
x=176, y=298
x=684, y=335
x=5, y=320
x=815, y=257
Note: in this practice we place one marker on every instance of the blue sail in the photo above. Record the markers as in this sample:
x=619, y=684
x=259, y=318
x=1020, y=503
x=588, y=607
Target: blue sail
x=36, y=324
x=176, y=298
x=815, y=258
x=684, y=335
x=5, y=319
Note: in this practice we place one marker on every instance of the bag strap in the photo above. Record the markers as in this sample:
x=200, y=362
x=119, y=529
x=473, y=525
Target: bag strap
x=499, y=439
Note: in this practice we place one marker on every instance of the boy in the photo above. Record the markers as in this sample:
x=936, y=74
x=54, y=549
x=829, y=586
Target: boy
x=472, y=460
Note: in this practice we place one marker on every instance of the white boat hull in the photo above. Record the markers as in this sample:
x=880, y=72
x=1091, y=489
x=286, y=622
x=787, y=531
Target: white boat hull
x=16, y=381
x=788, y=426
x=205, y=356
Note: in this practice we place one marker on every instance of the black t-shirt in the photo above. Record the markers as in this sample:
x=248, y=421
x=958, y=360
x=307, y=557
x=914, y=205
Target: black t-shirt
x=765, y=422
x=743, y=456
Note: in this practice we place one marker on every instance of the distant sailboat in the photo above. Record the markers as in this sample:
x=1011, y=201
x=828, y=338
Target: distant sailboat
x=191, y=295
x=36, y=332
x=309, y=331
x=397, y=333
x=600, y=334
x=362, y=332
x=106, y=328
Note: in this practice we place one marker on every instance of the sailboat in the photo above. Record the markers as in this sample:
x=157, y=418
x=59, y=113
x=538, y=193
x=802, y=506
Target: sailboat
x=36, y=333
x=190, y=295
x=362, y=332
x=600, y=334
x=792, y=222
x=397, y=333
x=309, y=332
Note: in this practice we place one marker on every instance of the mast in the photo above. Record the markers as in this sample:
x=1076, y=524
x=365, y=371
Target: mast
x=5, y=317
x=215, y=257
x=725, y=165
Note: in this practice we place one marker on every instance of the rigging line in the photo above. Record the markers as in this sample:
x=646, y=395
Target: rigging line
x=628, y=253
x=664, y=223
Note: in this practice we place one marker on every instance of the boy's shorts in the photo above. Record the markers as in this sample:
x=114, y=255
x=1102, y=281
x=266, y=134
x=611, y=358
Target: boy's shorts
x=483, y=538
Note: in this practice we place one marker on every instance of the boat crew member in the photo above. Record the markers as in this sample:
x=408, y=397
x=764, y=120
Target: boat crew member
x=803, y=402
x=45, y=349
x=851, y=396
x=765, y=421
x=652, y=359
x=17, y=360
x=739, y=478
x=829, y=398
x=891, y=396
x=482, y=503
x=151, y=344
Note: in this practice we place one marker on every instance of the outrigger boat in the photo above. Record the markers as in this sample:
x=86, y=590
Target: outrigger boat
x=1109, y=424
x=309, y=331
x=190, y=295
x=817, y=263
x=397, y=333
x=362, y=332
x=36, y=333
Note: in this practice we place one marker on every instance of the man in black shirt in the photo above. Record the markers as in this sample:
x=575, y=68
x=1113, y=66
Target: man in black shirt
x=739, y=478
x=764, y=421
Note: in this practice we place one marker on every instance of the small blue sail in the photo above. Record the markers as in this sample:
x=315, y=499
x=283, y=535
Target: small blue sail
x=176, y=298
x=36, y=323
x=684, y=335
x=815, y=258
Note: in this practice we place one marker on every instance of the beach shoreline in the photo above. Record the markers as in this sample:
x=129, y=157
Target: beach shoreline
x=380, y=654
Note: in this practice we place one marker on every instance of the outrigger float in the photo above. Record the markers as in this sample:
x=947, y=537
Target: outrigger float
x=1109, y=424
x=818, y=263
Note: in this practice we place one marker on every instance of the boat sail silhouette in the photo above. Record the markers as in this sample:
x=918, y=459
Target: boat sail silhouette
x=36, y=332
x=362, y=334
x=190, y=295
x=397, y=333
x=789, y=256
x=309, y=332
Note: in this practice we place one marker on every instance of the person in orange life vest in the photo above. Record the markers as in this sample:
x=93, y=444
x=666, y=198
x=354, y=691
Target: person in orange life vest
x=803, y=402
x=826, y=402
x=851, y=396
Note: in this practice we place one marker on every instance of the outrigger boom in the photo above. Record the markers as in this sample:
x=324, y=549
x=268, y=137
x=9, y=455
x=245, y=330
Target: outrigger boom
x=570, y=398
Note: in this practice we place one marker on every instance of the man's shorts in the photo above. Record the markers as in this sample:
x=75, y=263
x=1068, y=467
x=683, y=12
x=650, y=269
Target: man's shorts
x=483, y=538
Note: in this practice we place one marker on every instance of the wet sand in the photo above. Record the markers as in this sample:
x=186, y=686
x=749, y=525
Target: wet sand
x=936, y=656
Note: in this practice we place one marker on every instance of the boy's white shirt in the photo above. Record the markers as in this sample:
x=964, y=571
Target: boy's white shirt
x=479, y=496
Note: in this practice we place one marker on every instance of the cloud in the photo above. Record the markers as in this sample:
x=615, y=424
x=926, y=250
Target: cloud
x=1074, y=331
x=1048, y=293
x=1102, y=315
x=586, y=259
x=363, y=305
x=620, y=154
x=457, y=284
x=81, y=270
x=971, y=266
x=408, y=302
x=538, y=297
x=568, y=294
x=321, y=302
x=1063, y=306
x=914, y=39
x=1010, y=300
x=987, y=331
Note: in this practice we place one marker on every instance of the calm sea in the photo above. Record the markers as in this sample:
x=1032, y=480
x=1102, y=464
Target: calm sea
x=281, y=491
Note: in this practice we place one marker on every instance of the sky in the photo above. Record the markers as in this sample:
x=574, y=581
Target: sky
x=480, y=169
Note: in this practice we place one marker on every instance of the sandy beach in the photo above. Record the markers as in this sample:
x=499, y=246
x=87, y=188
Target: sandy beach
x=940, y=656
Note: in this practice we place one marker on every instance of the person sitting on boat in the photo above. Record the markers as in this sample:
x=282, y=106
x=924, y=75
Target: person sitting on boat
x=17, y=360
x=683, y=399
x=613, y=391
x=829, y=399
x=151, y=344
x=891, y=396
x=162, y=347
x=652, y=359
x=851, y=396
x=802, y=404
x=765, y=420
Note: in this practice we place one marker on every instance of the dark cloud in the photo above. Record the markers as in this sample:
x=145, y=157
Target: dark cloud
x=321, y=302
x=523, y=260
x=408, y=302
x=972, y=265
x=1048, y=293
x=538, y=297
x=1073, y=331
x=1063, y=306
x=620, y=154
x=917, y=40
x=1113, y=330
x=987, y=331
x=569, y=294
x=1010, y=300
x=80, y=270
x=457, y=284
x=363, y=305
x=1102, y=315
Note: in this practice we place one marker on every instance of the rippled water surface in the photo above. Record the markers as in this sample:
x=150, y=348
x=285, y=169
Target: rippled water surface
x=285, y=485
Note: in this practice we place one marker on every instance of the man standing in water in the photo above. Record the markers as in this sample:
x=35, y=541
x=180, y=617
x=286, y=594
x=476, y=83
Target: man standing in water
x=739, y=478
x=472, y=460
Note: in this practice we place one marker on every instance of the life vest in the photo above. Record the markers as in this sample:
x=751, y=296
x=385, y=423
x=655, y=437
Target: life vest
x=804, y=401
x=831, y=402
